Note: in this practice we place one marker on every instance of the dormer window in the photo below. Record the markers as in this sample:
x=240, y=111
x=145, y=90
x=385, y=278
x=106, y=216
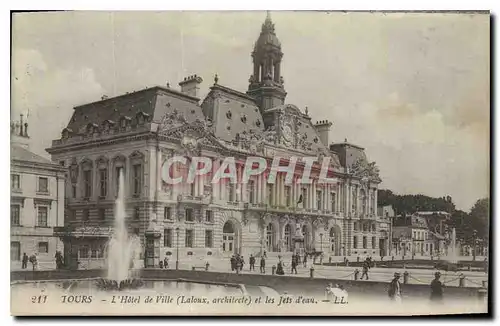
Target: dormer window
x=229, y=115
x=257, y=123
x=141, y=117
x=244, y=118
x=66, y=133
x=124, y=122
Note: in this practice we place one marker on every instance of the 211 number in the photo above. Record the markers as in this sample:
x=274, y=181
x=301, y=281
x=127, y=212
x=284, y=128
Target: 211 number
x=39, y=299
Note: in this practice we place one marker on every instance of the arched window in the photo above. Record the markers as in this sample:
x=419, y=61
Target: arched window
x=288, y=238
x=332, y=240
x=270, y=237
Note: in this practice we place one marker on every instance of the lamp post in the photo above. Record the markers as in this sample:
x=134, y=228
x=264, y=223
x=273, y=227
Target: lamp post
x=321, y=240
x=474, y=234
x=177, y=245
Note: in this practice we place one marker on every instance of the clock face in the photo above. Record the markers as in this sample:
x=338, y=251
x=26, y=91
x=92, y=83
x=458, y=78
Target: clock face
x=287, y=132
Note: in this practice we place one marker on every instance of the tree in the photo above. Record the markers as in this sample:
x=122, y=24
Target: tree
x=479, y=217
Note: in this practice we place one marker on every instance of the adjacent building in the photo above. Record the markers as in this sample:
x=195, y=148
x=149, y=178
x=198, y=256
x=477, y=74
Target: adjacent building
x=135, y=133
x=421, y=234
x=37, y=202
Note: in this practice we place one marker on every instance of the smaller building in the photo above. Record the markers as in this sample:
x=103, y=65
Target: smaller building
x=420, y=234
x=37, y=202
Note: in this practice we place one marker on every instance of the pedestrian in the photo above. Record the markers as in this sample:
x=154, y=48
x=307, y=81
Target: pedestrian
x=24, y=264
x=252, y=262
x=395, y=288
x=294, y=265
x=437, y=288
x=233, y=263
x=242, y=263
x=165, y=262
x=297, y=256
x=305, y=260
x=279, y=268
x=262, y=265
x=161, y=264
x=265, y=254
x=366, y=266
x=34, y=261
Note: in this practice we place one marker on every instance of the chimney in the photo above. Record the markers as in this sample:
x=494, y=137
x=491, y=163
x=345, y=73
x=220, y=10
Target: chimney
x=19, y=133
x=191, y=85
x=323, y=129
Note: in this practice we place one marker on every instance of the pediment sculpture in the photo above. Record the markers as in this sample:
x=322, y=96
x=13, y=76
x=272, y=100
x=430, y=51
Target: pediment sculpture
x=171, y=120
x=362, y=169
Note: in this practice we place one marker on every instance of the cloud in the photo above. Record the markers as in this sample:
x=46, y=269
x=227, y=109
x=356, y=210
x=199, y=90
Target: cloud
x=47, y=94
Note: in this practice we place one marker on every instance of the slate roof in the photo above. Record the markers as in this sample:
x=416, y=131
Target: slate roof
x=18, y=153
x=232, y=112
x=154, y=102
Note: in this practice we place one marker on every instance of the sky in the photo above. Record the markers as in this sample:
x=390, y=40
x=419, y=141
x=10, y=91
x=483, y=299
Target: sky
x=412, y=89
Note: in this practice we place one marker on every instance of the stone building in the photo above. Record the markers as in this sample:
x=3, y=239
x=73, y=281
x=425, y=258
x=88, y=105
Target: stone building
x=37, y=202
x=138, y=131
x=420, y=234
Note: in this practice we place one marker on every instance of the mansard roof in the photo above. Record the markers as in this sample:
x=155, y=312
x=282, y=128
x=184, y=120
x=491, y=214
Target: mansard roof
x=234, y=112
x=151, y=102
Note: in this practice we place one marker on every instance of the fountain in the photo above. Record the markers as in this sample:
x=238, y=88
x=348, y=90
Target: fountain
x=451, y=255
x=122, y=248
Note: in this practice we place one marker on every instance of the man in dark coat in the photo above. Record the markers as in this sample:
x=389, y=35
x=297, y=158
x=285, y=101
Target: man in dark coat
x=294, y=265
x=252, y=262
x=366, y=266
x=437, y=288
x=262, y=265
x=233, y=263
x=24, y=261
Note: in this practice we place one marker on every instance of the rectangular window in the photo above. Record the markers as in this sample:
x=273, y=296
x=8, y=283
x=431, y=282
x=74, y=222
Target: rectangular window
x=192, y=188
x=43, y=247
x=85, y=215
x=73, y=191
x=167, y=238
x=43, y=185
x=103, y=183
x=355, y=242
x=209, y=238
x=288, y=196
x=87, y=184
x=102, y=214
x=269, y=194
x=137, y=231
x=414, y=234
x=365, y=242
x=42, y=216
x=209, y=217
x=137, y=179
x=137, y=213
x=333, y=203
x=374, y=242
x=189, y=238
x=62, y=163
x=189, y=215
x=83, y=252
x=251, y=191
x=118, y=170
x=167, y=213
x=15, y=251
x=232, y=192
x=15, y=180
x=319, y=201
x=15, y=215
x=304, y=197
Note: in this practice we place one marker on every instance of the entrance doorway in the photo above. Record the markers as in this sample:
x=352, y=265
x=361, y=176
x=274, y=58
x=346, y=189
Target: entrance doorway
x=381, y=245
x=228, y=238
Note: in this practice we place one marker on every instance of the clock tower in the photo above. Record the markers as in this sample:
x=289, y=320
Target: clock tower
x=266, y=83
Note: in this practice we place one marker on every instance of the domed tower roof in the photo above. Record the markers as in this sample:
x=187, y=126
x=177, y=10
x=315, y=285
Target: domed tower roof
x=267, y=35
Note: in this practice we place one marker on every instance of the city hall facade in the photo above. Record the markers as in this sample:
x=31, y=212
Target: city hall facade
x=137, y=132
